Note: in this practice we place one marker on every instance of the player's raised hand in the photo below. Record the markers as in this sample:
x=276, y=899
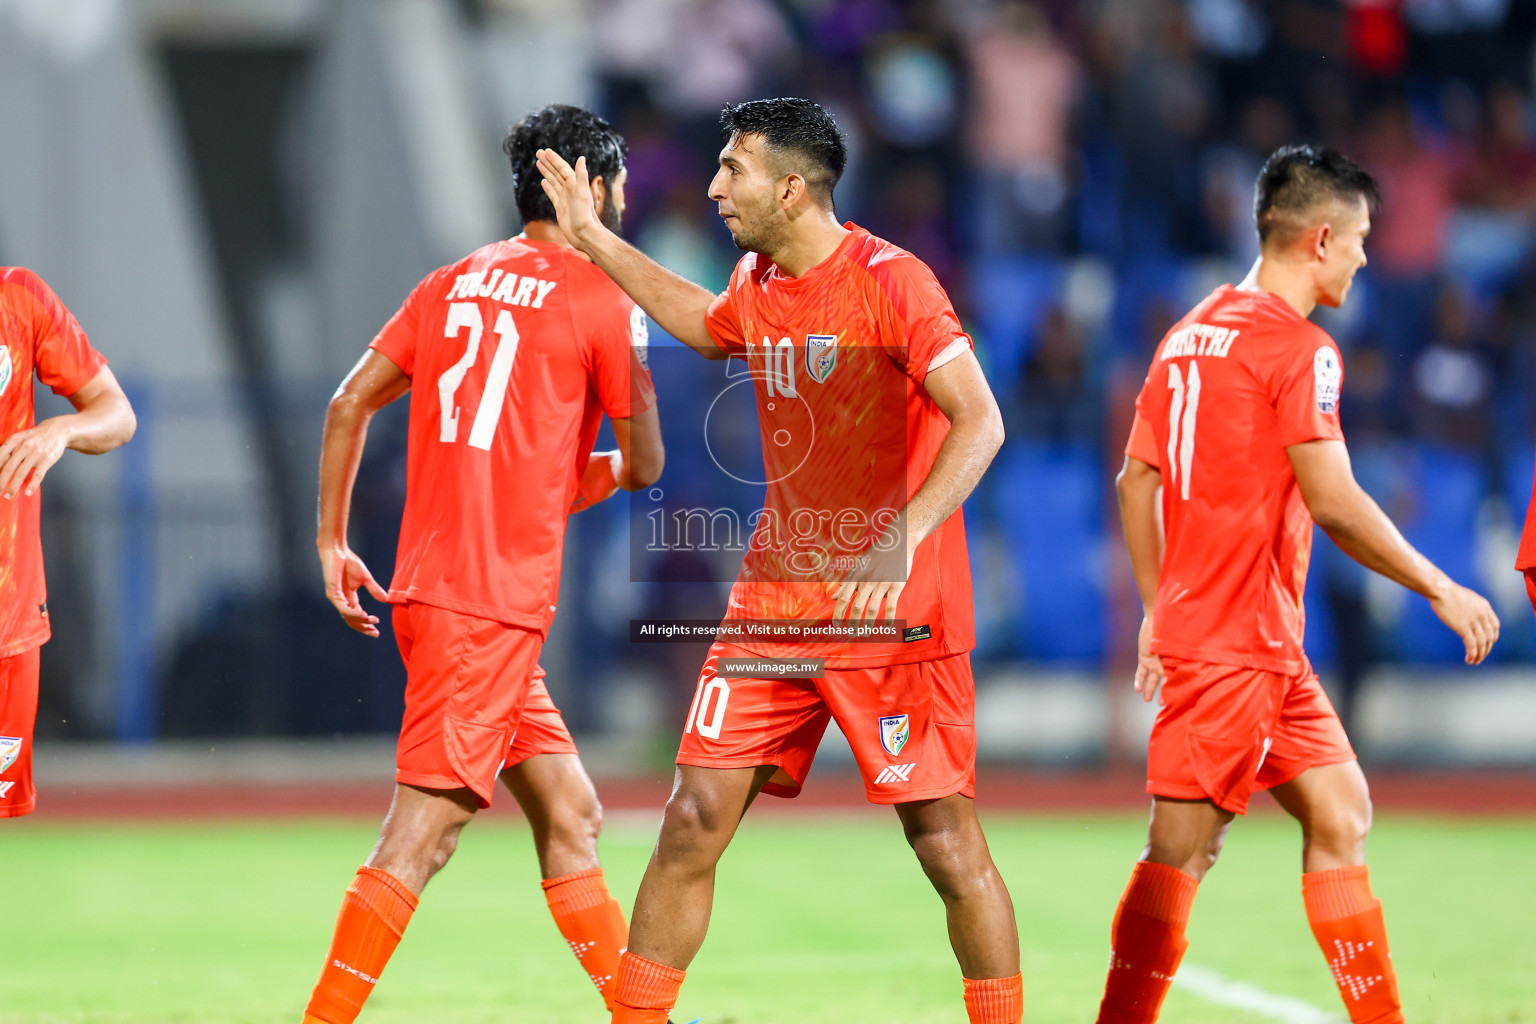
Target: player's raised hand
x=1149, y=667
x=570, y=192
x=1471, y=617
x=27, y=455
x=345, y=575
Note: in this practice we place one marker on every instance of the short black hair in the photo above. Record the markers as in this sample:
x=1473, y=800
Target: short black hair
x=1295, y=179
x=572, y=132
x=797, y=130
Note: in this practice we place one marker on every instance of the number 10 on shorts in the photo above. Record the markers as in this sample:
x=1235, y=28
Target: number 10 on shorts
x=708, y=710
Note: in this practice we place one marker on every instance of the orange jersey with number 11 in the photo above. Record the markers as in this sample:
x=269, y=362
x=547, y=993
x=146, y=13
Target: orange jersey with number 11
x=514, y=353
x=1232, y=385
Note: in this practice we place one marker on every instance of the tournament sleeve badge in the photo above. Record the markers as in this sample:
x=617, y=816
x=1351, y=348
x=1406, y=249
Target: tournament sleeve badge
x=820, y=356
x=1327, y=376
x=6, y=370
x=894, y=732
x=640, y=336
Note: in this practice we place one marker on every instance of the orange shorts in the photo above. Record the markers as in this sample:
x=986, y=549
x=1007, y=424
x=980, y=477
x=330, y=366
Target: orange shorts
x=1225, y=731
x=475, y=701
x=912, y=727
x=18, y=713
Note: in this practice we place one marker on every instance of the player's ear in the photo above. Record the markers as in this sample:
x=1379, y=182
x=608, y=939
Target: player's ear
x=791, y=190
x=1320, y=238
x=599, y=194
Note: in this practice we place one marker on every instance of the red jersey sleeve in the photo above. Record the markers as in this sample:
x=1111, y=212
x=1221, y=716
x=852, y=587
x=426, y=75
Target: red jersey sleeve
x=1142, y=444
x=1305, y=390
x=930, y=334
x=723, y=320
x=64, y=358
x=396, y=340
x=617, y=338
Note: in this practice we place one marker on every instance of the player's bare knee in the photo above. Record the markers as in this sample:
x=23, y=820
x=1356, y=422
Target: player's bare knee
x=691, y=826
x=946, y=860
x=575, y=829
x=1341, y=829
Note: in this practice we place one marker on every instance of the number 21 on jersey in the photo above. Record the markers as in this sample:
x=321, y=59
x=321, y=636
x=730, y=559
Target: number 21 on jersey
x=1182, y=412
x=462, y=315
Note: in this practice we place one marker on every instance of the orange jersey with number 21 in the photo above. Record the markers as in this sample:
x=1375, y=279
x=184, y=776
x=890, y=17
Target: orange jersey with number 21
x=1233, y=384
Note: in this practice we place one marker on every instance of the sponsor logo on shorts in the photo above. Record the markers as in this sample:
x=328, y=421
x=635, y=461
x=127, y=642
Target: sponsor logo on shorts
x=5, y=789
x=355, y=972
x=10, y=750
x=895, y=730
x=895, y=773
x=915, y=633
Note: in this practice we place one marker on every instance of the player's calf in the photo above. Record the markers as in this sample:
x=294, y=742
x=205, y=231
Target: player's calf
x=418, y=837
x=950, y=846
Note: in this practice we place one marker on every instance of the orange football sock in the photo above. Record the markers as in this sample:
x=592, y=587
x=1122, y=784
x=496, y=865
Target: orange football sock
x=646, y=991
x=1146, y=943
x=373, y=916
x=592, y=922
x=995, y=1000
x=1346, y=920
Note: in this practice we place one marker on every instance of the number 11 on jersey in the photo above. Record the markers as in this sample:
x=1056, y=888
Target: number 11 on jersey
x=460, y=316
x=1181, y=425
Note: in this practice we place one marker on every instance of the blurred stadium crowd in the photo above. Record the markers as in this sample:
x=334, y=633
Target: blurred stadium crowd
x=1077, y=172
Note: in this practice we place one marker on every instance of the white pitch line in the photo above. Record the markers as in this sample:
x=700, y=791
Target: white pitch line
x=1215, y=987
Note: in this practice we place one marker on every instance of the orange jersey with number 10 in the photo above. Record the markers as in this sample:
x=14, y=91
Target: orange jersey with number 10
x=514, y=353
x=1232, y=385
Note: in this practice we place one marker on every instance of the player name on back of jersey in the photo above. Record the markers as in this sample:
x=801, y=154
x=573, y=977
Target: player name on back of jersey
x=1200, y=340
x=500, y=286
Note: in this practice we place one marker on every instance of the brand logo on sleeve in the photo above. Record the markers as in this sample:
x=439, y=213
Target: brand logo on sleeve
x=894, y=733
x=1327, y=375
x=820, y=356
x=640, y=336
x=10, y=750
x=5, y=368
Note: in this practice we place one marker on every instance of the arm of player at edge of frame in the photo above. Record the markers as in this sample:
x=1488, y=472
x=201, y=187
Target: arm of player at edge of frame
x=1137, y=490
x=1362, y=530
x=103, y=420
x=960, y=390
x=674, y=302
x=373, y=383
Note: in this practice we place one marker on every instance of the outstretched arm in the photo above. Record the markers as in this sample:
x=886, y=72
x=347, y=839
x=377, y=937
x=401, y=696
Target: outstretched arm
x=373, y=383
x=961, y=392
x=1362, y=530
x=674, y=302
x=1137, y=487
x=102, y=420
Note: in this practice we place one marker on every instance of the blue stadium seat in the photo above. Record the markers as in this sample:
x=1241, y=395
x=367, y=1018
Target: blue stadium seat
x=1010, y=295
x=1447, y=488
x=1050, y=507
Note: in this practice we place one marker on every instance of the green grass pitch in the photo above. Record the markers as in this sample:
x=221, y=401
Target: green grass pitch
x=816, y=919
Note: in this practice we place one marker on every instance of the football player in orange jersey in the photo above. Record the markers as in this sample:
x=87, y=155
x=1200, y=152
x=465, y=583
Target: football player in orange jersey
x=852, y=341
x=512, y=356
x=1235, y=451
x=38, y=336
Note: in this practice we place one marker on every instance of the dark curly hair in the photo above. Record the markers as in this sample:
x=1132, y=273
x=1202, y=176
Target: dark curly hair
x=1297, y=178
x=572, y=132
x=800, y=133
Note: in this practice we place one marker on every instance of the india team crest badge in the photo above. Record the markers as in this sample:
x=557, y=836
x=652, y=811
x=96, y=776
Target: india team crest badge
x=894, y=732
x=10, y=750
x=5, y=368
x=820, y=356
